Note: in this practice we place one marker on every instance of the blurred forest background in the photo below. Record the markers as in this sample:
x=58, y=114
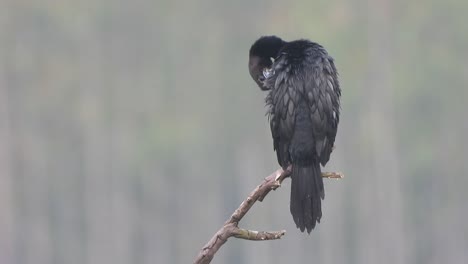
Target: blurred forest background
x=130, y=130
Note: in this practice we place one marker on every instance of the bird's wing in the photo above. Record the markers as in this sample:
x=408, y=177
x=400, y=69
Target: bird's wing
x=282, y=100
x=322, y=91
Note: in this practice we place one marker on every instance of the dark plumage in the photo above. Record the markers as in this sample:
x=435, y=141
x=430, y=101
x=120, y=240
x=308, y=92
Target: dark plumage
x=304, y=109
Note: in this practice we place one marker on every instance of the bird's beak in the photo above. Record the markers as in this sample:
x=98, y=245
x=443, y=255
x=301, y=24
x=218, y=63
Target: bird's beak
x=261, y=83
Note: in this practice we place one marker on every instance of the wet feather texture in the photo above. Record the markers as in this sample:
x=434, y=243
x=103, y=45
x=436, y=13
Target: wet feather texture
x=303, y=108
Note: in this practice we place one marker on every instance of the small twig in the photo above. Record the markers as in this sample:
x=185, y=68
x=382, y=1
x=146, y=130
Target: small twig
x=332, y=175
x=256, y=235
x=230, y=227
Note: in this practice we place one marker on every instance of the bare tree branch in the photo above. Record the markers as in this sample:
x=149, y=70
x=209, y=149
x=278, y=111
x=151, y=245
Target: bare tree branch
x=230, y=228
x=256, y=235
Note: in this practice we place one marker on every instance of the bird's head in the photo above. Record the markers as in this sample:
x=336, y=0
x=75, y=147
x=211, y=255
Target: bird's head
x=261, y=56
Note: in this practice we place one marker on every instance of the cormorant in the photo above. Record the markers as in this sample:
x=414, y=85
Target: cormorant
x=304, y=110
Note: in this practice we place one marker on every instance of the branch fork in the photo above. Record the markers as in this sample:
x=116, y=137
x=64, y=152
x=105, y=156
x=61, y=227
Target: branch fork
x=231, y=228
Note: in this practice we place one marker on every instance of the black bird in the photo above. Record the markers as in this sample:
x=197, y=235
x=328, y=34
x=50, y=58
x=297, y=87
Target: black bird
x=304, y=110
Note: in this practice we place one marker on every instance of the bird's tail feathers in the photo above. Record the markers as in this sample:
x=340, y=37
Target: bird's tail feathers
x=306, y=194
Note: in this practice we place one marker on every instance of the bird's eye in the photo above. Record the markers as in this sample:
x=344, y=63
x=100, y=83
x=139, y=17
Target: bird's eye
x=268, y=72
